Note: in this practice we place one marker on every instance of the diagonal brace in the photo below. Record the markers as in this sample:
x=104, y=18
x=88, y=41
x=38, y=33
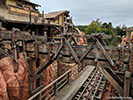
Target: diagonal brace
x=109, y=73
x=86, y=53
x=46, y=63
x=73, y=52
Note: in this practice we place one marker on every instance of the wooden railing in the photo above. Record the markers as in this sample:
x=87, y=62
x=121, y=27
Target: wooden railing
x=52, y=89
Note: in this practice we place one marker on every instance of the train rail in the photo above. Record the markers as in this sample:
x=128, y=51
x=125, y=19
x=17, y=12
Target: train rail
x=92, y=88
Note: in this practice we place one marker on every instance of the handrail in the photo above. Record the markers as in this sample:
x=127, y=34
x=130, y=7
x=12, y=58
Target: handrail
x=54, y=84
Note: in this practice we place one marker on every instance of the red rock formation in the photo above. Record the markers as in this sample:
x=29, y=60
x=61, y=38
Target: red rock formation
x=33, y=65
x=47, y=76
x=23, y=77
x=82, y=41
x=3, y=88
x=13, y=87
x=17, y=83
x=124, y=40
x=131, y=38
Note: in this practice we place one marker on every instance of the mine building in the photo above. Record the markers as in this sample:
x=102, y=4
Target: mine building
x=60, y=17
x=24, y=15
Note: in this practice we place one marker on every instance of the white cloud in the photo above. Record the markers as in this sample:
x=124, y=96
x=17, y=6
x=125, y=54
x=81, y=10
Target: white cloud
x=83, y=11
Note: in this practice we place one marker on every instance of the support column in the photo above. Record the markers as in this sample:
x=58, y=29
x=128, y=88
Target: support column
x=127, y=81
x=0, y=24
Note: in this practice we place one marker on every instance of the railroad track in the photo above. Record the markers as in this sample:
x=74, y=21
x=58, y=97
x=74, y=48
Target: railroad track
x=92, y=88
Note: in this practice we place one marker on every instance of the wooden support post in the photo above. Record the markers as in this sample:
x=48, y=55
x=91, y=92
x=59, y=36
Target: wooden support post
x=0, y=24
x=55, y=86
x=49, y=51
x=129, y=35
x=30, y=17
x=68, y=76
x=127, y=81
x=31, y=84
x=43, y=17
x=14, y=49
x=36, y=50
x=131, y=60
x=23, y=44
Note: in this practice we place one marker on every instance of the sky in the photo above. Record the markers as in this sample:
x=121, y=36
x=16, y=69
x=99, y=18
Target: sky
x=119, y=12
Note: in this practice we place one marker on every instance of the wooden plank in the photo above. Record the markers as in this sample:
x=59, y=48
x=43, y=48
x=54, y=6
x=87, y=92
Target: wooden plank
x=83, y=36
x=112, y=80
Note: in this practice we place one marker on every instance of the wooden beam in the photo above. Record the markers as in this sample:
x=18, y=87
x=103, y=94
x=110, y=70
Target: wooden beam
x=0, y=24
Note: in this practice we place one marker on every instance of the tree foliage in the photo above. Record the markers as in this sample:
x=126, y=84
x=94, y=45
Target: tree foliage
x=106, y=28
x=82, y=27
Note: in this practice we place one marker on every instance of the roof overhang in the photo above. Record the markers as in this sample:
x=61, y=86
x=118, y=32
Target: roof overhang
x=31, y=3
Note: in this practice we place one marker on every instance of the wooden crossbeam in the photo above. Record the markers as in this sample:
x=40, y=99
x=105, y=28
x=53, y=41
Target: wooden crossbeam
x=106, y=56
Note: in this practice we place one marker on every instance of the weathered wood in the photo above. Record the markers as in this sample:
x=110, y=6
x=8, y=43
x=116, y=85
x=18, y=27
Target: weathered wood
x=46, y=63
x=111, y=76
x=84, y=36
x=106, y=56
x=73, y=52
x=0, y=24
x=127, y=80
x=85, y=54
x=6, y=35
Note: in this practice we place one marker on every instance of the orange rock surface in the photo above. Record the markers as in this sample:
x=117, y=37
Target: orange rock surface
x=47, y=77
x=23, y=77
x=82, y=41
x=124, y=40
x=13, y=87
x=3, y=88
x=17, y=83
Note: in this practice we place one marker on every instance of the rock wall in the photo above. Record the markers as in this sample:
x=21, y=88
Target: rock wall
x=3, y=88
x=63, y=67
x=13, y=86
x=17, y=84
x=48, y=75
